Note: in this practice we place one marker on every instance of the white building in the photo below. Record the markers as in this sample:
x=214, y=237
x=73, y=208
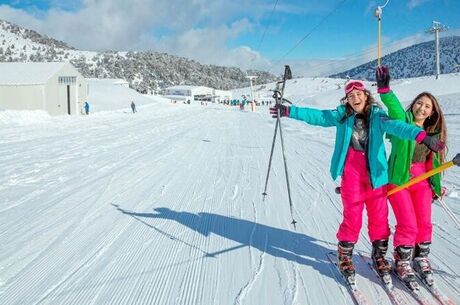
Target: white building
x=222, y=95
x=56, y=87
x=196, y=93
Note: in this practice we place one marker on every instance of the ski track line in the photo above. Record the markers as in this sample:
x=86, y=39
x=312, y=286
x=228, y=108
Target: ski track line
x=239, y=299
x=241, y=295
x=188, y=286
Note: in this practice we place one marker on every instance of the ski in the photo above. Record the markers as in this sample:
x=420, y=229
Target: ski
x=395, y=296
x=414, y=289
x=435, y=291
x=358, y=297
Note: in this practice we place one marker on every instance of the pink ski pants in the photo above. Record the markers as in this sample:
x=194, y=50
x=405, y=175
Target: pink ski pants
x=412, y=210
x=357, y=191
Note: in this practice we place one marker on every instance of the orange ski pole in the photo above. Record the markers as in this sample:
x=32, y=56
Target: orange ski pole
x=444, y=166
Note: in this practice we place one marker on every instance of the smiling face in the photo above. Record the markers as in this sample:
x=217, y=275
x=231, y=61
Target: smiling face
x=422, y=109
x=357, y=100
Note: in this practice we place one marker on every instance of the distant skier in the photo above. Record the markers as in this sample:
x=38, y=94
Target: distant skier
x=412, y=206
x=359, y=157
x=133, y=107
x=86, y=107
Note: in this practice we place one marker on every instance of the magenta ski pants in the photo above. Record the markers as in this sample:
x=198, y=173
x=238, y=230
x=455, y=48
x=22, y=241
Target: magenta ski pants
x=412, y=210
x=357, y=192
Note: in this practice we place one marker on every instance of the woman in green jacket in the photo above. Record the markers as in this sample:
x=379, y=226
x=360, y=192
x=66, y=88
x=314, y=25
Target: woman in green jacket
x=412, y=206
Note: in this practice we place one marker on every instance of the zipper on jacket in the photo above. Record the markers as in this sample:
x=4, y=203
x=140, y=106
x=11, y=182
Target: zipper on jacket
x=367, y=149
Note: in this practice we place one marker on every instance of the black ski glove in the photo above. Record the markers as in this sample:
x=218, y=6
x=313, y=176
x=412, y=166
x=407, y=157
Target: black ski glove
x=284, y=110
x=433, y=143
x=456, y=160
x=382, y=76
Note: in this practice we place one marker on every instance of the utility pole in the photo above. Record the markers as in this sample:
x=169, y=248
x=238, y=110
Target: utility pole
x=253, y=104
x=436, y=28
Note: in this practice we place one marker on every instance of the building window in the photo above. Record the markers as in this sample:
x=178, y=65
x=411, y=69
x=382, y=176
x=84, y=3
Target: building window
x=67, y=80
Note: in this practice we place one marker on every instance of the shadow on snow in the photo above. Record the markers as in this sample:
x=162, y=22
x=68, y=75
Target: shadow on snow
x=292, y=246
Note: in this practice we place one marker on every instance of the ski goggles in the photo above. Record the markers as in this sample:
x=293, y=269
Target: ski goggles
x=354, y=84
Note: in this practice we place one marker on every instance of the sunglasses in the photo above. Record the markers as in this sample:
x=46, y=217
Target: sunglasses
x=355, y=84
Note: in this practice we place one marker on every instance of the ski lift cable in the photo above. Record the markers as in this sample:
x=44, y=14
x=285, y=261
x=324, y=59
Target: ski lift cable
x=357, y=55
x=312, y=30
x=268, y=24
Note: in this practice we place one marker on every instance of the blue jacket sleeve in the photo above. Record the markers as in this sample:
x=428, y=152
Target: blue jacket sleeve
x=325, y=118
x=399, y=129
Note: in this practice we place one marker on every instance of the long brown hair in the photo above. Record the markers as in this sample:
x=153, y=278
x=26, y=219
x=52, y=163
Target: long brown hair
x=436, y=122
x=349, y=110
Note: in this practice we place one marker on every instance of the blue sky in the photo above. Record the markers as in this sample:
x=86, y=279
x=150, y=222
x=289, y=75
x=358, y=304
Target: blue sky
x=230, y=32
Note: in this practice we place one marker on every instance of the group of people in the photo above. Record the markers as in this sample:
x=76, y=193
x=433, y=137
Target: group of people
x=418, y=135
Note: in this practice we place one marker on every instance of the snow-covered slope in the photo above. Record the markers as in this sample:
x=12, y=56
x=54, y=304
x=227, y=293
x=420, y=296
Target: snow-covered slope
x=164, y=206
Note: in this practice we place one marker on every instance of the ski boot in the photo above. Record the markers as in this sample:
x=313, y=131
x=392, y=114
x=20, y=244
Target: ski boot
x=381, y=265
x=421, y=263
x=345, y=262
x=403, y=269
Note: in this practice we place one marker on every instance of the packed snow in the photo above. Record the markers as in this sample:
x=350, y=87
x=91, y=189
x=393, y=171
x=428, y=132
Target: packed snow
x=164, y=206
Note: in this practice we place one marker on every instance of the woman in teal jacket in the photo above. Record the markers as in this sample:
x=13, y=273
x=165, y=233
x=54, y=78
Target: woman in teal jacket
x=412, y=206
x=359, y=158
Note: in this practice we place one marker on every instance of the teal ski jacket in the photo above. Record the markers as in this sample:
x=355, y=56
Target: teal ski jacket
x=379, y=123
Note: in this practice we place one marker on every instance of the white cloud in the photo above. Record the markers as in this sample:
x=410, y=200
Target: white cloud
x=198, y=29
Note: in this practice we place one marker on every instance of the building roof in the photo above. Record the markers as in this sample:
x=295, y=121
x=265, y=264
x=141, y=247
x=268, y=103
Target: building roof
x=28, y=73
x=186, y=87
x=114, y=81
x=182, y=87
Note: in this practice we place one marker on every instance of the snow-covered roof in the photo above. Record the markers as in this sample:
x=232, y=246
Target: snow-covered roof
x=28, y=73
x=177, y=97
x=182, y=87
x=186, y=87
x=115, y=81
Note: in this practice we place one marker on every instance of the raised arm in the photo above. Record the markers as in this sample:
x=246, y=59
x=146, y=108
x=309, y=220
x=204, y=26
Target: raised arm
x=312, y=116
x=391, y=101
x=410, y=132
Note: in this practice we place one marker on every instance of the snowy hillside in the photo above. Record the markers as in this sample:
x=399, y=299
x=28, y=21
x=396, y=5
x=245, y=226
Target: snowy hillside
x=146, y=71
x=164, y=206
x=414, y=61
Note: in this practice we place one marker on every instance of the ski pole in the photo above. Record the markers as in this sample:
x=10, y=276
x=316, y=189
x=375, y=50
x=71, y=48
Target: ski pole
x=271, y=157
x=278, y=95
x=287, y=176
x=449, y=212
x=442, y=167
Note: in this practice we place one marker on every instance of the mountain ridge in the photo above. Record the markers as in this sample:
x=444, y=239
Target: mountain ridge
x=145, y=71
x=413, y=61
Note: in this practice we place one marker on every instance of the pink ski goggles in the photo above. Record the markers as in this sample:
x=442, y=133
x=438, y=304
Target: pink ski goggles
x=354, y=84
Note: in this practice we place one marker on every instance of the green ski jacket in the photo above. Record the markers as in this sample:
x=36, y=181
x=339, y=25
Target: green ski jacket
x=402, y=150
